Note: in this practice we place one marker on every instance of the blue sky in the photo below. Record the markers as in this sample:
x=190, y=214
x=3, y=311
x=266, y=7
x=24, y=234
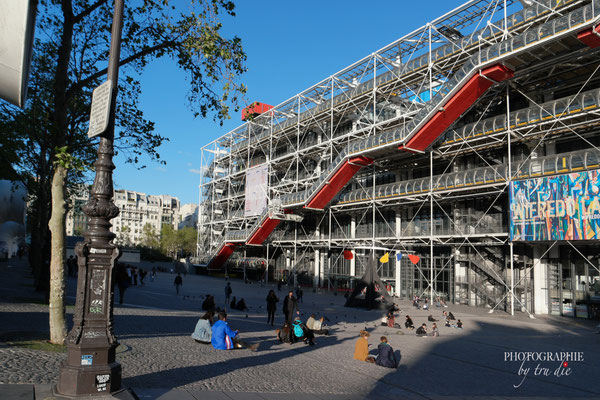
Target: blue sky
x=290, y=47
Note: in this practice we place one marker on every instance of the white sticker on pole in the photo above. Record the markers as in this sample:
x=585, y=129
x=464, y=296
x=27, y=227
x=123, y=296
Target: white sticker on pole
x=100, y=109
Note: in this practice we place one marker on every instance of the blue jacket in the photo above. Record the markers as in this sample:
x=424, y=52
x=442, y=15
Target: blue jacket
x=386, y=358
x=222, y=336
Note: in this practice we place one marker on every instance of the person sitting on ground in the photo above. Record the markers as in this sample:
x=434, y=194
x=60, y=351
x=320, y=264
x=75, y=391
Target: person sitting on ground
x=443, y=303
x=422, y=330
x=241, y=305
x=408, y=324
x=284, y=334
x=300, y=331
x=416, y=302
x=386, y=357
x=390, y=319
x=447, y=323
x=434, y=330
x=316, y=325
x=209, y=303
x=384, y=320
x=426, y=305
x=361, y=348
x=223, y=338
x=203, y=332
x=459, y=324
x=431, y=319
x=451, y=316
x=233, y=303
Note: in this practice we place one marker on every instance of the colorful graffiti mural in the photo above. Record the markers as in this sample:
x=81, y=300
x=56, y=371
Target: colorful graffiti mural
x=561, y=207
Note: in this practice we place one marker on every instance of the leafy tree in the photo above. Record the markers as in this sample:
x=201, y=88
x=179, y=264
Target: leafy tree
x=150, y=238
x=70, y=52
x=169, y=242
x=123, y=237
x=187, y=237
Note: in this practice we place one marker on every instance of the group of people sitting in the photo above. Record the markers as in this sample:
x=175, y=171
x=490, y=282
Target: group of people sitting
x=295, y=331
x=385, y=356
x=218, y=333
x=238, y=305
x=450, y=317
x=421, y=331
x=438, y=303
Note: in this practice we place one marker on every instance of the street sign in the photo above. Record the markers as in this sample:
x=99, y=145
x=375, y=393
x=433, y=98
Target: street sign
x=100, y=109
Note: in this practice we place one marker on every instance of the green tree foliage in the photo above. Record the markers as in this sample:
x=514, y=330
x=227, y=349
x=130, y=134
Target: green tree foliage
x=177, y=243
x=150, y=238
x=188, y=237
x=70, y=60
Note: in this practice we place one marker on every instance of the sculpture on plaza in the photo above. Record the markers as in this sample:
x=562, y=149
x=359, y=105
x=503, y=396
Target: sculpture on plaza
x=370, y=292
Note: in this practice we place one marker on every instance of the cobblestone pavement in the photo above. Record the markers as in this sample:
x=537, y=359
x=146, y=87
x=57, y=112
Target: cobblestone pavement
x=157, y=352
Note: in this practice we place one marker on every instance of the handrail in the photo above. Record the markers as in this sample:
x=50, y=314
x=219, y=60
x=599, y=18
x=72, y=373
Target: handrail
x=466, y=44
x=574, y=161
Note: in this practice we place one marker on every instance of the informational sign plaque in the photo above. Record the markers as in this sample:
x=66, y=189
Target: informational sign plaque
x=100, y=109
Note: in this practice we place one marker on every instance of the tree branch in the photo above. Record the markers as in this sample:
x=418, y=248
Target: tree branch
x=84, y=82
x=88, y=11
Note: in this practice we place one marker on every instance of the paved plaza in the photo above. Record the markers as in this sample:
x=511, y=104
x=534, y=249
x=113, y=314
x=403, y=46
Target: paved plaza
x=160, y=360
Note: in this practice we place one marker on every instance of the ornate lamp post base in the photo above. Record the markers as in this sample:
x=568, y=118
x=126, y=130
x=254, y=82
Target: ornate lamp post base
x=91, y=369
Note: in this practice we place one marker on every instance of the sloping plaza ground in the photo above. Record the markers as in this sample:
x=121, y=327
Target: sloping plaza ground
x=159, y=358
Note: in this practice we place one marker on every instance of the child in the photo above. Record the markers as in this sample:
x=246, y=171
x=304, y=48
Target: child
x=434, y=330
x=386, y=357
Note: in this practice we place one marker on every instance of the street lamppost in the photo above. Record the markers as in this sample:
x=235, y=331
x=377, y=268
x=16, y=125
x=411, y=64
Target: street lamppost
x=91, y=368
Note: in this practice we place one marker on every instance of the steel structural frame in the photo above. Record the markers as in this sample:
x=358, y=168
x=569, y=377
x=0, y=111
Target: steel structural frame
x=361, y=113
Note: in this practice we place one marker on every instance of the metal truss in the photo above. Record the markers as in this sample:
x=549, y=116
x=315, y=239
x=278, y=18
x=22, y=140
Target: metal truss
x=448, y=202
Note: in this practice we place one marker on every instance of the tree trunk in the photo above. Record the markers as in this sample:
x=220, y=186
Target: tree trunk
x=58, y=326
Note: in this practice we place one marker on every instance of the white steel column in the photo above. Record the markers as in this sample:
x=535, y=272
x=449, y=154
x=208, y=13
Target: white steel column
x=509, y=180
x=431, y=227
x=397, y=276
x=317, y=268
x=267, y=267
x=540, y=283
x=353, y=267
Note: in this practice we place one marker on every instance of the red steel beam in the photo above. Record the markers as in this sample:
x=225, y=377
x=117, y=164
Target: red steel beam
x=263, y=232
x=590, y=37
x=456, y=106
x=339, y=179
x=222, y=256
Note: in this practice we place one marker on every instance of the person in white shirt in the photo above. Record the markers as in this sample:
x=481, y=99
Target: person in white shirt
x=316, y=325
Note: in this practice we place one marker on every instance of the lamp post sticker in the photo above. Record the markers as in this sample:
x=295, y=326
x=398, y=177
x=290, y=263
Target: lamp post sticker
x=102, y=382
x=87, y=359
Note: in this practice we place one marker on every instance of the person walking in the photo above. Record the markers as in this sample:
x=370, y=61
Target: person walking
x=178, y=282
x=289, y=305
x=122, y=280
x=272, y=301
x=299, y=294
x=70, y=265
x=228, y=292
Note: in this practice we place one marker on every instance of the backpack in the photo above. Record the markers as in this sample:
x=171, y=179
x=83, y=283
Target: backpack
x=298, y=331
